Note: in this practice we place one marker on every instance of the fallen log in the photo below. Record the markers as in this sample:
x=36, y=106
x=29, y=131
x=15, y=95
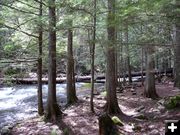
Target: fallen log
x=45, y=80
x=85, y=79
x=136, y=74
x=30, y=80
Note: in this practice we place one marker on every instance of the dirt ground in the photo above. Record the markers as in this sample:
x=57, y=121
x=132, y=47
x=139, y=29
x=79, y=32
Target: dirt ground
x=147, y=116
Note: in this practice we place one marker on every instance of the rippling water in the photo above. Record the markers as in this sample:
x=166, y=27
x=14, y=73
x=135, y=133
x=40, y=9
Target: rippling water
x=20, y=102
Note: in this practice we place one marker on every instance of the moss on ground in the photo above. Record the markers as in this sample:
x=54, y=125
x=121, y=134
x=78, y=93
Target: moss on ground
x=173, y=102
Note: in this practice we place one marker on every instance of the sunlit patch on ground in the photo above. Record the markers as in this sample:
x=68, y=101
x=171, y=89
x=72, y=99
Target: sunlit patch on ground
x=150, y=115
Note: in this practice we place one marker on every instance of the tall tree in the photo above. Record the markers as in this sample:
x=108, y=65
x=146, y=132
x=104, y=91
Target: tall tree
x=150, y=89
x=71, y=91
x=112, y=106
x=92, y=51
x=142, y=67
x=53, y=109
x=177, y=46
x=39, y=70
x=128, y=66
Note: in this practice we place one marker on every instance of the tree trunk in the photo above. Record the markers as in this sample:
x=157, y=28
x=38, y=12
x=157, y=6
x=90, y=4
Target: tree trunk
x=122, y=63
x=128, y=66
x=92, y=59
x=53, y=109
x=142, y=67
x=107, y=126
x=71, y=91
x=177, y=51
x=39, y=70
x=120, y=68
x=112, y=106
x=150, y=89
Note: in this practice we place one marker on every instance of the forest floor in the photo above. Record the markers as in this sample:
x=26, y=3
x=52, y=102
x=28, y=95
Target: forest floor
x=147, y=116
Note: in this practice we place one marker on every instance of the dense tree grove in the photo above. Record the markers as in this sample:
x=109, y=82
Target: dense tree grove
x=119, y=43
x=177, y=45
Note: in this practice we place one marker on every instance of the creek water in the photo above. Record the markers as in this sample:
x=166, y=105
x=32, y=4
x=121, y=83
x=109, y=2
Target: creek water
x=20, y=101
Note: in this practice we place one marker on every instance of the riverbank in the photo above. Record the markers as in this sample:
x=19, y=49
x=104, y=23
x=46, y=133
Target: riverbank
x=34, y=80
x=149, y=114
x=19, y=102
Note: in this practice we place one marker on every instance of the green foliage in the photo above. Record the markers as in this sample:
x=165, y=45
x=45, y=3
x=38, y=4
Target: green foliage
x=142, y=117
x=104, y=94
x=11, y=50
x=146, y=20
x=87, y=85
x=65, y=131
x=1, y=22
x=10, y=71
x=117, y=121
x=7, y=81
x=42, y=118
x=137, y=128
x=53, y=132
x=173, y=102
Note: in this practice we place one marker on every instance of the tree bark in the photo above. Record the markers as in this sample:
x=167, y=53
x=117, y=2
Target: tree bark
x=107, y=126
x=150, y=89
x=128, y=66
x=142, y=67
x=120, y=68
x=112, y=106
x=39, y=70
x=177, y=50
x=92, y=48
x=71, y=91
x=53, y=109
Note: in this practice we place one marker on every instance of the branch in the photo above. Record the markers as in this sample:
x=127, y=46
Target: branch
x=18, y=60
x=23, y=23
x=11, y=7
x=80, y=9
x=149, y=44
x=29, y=34
x=27, y=4
x=75, y=27
x=41, y=3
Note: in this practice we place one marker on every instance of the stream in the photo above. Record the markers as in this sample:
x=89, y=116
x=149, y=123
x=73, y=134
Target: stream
x=20, y=101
